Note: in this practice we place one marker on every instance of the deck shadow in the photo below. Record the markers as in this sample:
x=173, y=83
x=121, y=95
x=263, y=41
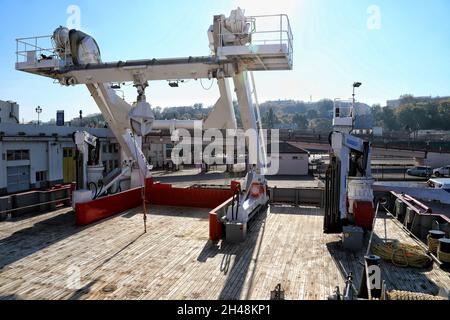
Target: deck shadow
x=41, y=235
x=78, y=295
x=19, y=217
x=209, y=251
x=45, y=233
x=234, y=284
x=346, y=262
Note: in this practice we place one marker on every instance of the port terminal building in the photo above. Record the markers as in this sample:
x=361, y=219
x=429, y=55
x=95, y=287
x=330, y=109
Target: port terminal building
x=40, y=156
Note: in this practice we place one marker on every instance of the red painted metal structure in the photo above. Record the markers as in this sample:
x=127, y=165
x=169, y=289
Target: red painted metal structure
x=93, y=211
x=364, y=214
x=418, y=207
x=156, y=194
x=215, y=226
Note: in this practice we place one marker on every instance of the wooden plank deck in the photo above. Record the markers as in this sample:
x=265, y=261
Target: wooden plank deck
x=47, y=257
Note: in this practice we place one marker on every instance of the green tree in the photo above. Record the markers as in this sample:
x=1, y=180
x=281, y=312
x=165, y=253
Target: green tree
x=312, y=114
x=412, y=117
x=385, y=117
x=157, y=111
x=406, y=99
x=389, y=119
x=325, y=108
x=300, y=121
x=321, y=125
x=443, y=110
x=271, y=119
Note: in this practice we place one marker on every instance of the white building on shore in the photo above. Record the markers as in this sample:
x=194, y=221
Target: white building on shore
x=38, y=156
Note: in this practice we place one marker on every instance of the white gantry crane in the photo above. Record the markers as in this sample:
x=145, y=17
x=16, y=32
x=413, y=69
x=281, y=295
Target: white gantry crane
x=239, y=45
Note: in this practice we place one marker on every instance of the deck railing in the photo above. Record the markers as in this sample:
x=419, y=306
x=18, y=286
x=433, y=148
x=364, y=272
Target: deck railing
x=264, y=30
x=38, y=46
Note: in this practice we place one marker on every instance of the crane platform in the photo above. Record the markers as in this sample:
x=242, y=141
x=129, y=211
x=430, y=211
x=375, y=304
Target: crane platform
x=270, y=47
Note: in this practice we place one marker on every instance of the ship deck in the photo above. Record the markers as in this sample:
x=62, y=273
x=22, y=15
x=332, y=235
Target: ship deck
x=47, y=257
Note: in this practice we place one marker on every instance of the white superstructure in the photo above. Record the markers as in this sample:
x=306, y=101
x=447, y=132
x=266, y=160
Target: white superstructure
x=41, y=156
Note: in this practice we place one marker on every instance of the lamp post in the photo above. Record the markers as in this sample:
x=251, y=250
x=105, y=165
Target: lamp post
x=81, y=118
x=38, y=111
x=355, y=85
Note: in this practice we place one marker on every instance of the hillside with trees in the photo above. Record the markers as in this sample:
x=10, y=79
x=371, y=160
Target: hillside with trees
x=413, y=115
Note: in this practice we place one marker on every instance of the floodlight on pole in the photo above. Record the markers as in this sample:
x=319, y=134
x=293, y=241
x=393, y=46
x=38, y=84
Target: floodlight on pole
x=38, y=111
x=355, y=85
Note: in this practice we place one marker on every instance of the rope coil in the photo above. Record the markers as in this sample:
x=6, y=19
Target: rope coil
x=443, y=257
x=402, y=255
x=433, y=244
x=408, y=296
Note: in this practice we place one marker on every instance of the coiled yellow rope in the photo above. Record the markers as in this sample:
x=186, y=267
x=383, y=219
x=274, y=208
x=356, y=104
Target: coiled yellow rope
x=443, y=257
x=433, y=244
x=402, y=255
x=406, y=295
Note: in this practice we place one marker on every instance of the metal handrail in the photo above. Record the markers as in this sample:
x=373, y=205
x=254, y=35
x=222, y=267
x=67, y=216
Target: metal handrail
x=35, y=205
x=284, y=31
x=346, y=110
x=25, y=43
x=33, y=43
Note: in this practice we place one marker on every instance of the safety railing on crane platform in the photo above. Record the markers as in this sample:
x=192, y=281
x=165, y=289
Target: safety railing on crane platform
x=266, y=29
x=35, y=46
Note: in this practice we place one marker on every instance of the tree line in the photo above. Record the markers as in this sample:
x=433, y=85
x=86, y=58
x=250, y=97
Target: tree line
x=413, y=115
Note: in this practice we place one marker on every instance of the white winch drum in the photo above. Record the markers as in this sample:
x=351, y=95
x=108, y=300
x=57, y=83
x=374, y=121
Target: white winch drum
x=360, y=189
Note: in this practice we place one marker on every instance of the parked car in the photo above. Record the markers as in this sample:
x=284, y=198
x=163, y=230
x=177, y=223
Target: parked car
x=442, y=172
x=420, y=171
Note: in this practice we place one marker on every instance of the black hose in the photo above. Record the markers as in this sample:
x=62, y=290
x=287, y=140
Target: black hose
x=232, y=206
x=238, y=204
x=329, y=138
x=119, y=189
x=235, y=203
x=95, y=188
x=101, y=186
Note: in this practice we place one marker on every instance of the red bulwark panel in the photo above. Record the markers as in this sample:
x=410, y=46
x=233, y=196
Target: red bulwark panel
x=364, y=214
x=90, y=212
x=215, y=227
x=195, y=198
x=156, y=194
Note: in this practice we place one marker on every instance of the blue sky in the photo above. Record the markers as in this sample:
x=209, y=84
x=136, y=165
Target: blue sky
x=408, y=53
